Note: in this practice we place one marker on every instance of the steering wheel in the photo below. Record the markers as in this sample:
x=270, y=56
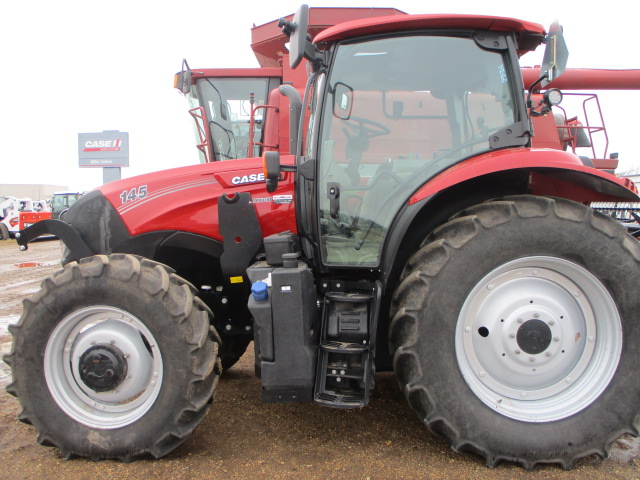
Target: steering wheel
x=364, y=128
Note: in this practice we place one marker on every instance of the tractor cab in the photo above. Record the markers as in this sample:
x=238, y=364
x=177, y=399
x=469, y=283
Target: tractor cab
x=384, y=134
x=391, y=111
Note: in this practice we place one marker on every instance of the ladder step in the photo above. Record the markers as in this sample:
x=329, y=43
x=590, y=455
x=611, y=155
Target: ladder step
x=348, y=297
x=344, y=377
x=344, y=347
x=340, y=401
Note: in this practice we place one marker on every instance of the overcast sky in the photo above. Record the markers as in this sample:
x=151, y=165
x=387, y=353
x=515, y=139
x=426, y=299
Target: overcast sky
x=87, y=66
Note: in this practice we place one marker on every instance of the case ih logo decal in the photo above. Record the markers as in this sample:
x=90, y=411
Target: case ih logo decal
x=253, y=178
x=102, y=145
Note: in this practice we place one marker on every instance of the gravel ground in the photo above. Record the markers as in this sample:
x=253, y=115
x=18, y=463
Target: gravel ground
x=243, y=438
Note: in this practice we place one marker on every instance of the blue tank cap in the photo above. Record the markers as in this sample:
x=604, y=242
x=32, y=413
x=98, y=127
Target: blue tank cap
x=259, y=290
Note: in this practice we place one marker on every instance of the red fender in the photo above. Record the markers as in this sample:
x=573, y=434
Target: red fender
x=552, y=172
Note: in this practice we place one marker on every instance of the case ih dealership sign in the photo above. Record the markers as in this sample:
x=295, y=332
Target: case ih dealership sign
x=105, y=149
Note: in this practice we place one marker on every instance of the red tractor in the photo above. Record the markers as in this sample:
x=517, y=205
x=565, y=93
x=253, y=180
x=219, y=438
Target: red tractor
x=413, y=227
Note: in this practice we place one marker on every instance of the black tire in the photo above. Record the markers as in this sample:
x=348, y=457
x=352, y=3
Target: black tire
x=137, y=319
x=4, y=232
x=232, y=349
x=461, y=333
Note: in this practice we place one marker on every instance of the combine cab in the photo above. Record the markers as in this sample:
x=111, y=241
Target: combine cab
x=414, y=227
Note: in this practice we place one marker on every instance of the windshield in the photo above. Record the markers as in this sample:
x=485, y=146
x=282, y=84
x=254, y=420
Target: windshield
x=398, y=111
x=227, y=105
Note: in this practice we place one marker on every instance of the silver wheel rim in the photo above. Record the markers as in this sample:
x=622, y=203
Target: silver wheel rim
x=128, y=401
x=538, y=339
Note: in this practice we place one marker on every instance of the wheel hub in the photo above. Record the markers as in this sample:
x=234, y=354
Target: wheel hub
x=103, y=367
x=534, y=337
x=538, y=339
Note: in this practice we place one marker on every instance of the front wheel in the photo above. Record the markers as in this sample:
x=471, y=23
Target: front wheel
x=516, y=331
x=4, y=232
x=114, y=358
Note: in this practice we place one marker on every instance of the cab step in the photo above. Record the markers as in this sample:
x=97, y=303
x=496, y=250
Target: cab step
x=347, y=339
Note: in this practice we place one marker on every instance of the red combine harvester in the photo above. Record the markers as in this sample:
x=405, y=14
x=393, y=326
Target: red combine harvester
x=413, y=227
x=573, y=134
x=237, y=111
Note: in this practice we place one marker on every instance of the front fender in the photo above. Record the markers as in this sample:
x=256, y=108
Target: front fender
x=65, y=232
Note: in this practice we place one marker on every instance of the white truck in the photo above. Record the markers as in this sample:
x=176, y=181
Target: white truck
x=19, y=213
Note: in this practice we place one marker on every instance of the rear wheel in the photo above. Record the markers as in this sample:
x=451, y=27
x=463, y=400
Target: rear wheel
x=114, y=358
x=516, y=331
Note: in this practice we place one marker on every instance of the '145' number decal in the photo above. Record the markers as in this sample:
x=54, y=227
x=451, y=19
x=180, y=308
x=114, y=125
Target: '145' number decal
x=133, y=194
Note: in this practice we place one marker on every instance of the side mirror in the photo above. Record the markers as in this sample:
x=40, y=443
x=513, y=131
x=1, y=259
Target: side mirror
x=555, y=55
x=182, y=79
x=342, y=101
x=271, y=165
x=296, y=30
x=298, y=42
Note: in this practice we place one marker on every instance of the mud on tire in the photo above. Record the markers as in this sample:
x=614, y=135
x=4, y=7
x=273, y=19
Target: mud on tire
x=114, y=358
x=516, y=331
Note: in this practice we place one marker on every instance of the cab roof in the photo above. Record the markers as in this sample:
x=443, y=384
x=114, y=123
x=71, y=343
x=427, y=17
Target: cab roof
x=528, y=34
